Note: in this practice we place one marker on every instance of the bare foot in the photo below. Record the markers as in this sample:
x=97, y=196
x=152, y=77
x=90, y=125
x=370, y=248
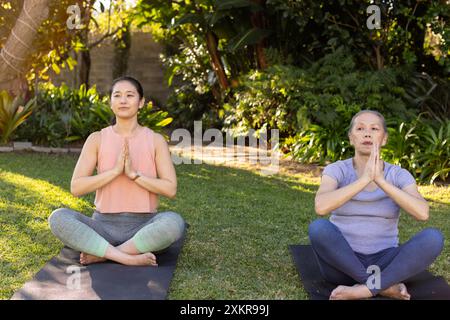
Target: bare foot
x=86, y=259
x=358, y=291
x=397, y=291
x=144, y=259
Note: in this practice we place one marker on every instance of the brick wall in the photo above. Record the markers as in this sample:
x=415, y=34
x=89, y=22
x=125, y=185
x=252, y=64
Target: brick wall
x=143, y=64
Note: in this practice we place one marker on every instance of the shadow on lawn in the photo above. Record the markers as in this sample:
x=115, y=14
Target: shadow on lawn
x=233, y=212
x=224, y=187
x=236, y=211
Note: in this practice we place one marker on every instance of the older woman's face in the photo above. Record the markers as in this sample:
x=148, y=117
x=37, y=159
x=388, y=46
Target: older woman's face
x=367, y=129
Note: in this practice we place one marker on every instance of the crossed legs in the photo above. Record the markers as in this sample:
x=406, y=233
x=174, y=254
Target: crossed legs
x=339, y=264
x=95, y=243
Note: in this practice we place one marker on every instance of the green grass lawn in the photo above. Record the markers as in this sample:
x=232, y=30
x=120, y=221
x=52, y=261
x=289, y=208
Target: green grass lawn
x=237, y=245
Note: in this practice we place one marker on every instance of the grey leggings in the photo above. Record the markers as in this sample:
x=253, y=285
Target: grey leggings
x=150, y=232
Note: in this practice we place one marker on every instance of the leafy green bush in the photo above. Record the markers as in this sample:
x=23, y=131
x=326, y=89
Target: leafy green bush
x=187, y=105
x=331, y=90
x=320, y=145
x=313, y=108
x=12, y=114
x=155, y=120
x=421, y=146
x=267, y=100
x=403, y=143
x=435, y=159
x=67, y=115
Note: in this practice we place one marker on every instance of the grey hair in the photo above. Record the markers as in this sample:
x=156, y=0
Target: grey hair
x=383, y=121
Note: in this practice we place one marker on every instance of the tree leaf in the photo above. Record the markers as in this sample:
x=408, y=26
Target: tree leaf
x=95, y=22
x=191, y=18
x=229, y=4
x=56, y=68
x=248, y=37
x=164, y=122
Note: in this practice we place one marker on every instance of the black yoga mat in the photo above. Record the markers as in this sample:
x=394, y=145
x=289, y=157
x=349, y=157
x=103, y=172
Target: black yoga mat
x=101, y=281
x=424, y=286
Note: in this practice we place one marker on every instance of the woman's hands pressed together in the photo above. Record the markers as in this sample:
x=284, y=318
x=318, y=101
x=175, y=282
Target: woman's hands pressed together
x=379, y=165
x=165, y=183
x=120, y=163
x=374, y=170
x=123, y=164
x=129, y=172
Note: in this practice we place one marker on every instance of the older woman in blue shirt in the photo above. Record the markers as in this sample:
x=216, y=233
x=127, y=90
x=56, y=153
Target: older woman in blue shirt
x=358, y=248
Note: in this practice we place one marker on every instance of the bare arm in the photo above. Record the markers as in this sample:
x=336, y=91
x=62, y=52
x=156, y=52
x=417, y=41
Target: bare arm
x=166, y=183
x=82, y=180
x=328, y=197
x=408, y=198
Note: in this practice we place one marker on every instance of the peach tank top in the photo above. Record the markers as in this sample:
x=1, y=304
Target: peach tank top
x=123, y=194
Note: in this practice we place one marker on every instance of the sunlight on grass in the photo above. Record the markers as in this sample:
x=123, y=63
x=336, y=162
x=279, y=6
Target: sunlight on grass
x=26, y=242
x=26, y=189
x=241, y=223
x=437, y=194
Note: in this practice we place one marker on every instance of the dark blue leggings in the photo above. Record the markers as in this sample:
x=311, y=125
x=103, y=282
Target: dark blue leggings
x=340, y=265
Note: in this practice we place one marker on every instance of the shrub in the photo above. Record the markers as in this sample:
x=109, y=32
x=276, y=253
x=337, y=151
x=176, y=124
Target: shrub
x=291, y=99
x=12, y=114
x=434, y=158
x=186, y=105
x=68, y=115
x=321, y=145
x=64, y=115
x=312, y=108
x=155, y=120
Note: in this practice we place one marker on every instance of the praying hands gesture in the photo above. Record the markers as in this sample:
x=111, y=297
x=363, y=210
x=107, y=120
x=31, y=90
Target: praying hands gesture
x=123, y=164
x=374, y=170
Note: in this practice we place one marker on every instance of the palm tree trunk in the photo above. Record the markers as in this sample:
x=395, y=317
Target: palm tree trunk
x=15, y=54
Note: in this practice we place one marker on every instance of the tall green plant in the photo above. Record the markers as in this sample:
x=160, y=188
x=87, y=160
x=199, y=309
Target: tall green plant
x=403, y=144
x=12, y=114
x=321, y=145
x=155, y=120
x=67, y=115
x=435, y=158
x=421, y=146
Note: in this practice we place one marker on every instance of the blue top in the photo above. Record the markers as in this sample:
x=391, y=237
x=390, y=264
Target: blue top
x=369, y=220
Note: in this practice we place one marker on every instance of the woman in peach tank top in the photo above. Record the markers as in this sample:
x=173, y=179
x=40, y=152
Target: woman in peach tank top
x=134, y=167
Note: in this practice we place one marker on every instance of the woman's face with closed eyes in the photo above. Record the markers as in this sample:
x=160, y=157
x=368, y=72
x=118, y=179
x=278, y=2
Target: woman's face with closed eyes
x=367, y=129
